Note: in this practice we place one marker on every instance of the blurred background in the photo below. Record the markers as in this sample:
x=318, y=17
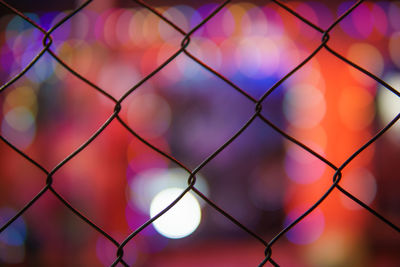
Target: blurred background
x=261, y=179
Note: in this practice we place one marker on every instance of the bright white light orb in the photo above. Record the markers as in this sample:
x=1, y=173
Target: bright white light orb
x=389, y=104
x=182, y=219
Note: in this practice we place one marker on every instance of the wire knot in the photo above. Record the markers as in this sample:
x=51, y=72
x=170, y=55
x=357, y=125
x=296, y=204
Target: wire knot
x=117, y=108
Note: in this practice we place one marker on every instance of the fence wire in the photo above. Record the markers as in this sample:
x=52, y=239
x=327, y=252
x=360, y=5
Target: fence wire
x=258, y=106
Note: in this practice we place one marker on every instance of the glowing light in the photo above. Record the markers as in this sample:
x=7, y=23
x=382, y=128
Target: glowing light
x=205, y=50
x=149, y=24
x=192, y=16
x=149, y=114
x=275, y=27
x=302, y=167
x=394, y=44
x=43, y=68
x=189, y=69
x=171, y=74
x=315, y=138
x=342, y=242
x=361, y=184
x=110, y=22
x=21, y=96
x=363, y=20
x=228, y=48
x=98, y=27
x=389, y=104
x=122, y=27
x=222, y=25
x=176, y=16
x=149, y=59
x=63, y=32
x=310, y=74
x=308, y=230
x=356, y=107
x=78, y=54
x=128, y=76
x=251, y=56
x=20, y=118
x=304, y=106
x=215, y=22
x=367, y=57
x=83, y=57
x=237, y=11
x=394, y=13
x=135, y=219
x=228, y=23
x=135, y=28
x=84, y=20
x=182, y=219
x=141, y=158
x=18, y=27
x=19, y=127
x=248, y=58
x=380, y=19
x=254, y=22
x=145, y=185
x=307, y=11
x=323, y=12
x=291, y=55
x=360, y=22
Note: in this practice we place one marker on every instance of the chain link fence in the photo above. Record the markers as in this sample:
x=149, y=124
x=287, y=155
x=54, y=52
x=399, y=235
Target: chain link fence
x=268, y=255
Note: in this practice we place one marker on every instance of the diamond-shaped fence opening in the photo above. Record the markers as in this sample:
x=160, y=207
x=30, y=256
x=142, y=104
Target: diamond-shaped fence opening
x=201, y=134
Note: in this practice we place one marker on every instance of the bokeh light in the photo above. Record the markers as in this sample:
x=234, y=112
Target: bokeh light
x=308, y=230
x=363, y=21
x=20, y=33
x=187, y=112
x=304, y=106
x=356, y=107
x=19, y=127
x=254, y=22
x=149, y=114
x=23, y=96
x=301, y=166
x=122, y=27
x=120, y=68
x=380, y=20
x=393, y=15
x=360, y=183
x=176, y=16
x=368, y=57
x=306, y=10
x=63, y=32
x=182, y=219
x=20, y=119
x=394, y=44
x=251, y=54
x=389, y=104
x=147, y=184
x=348, y=26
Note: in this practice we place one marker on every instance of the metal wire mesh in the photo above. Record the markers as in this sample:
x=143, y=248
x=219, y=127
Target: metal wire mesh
x=191, y=173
